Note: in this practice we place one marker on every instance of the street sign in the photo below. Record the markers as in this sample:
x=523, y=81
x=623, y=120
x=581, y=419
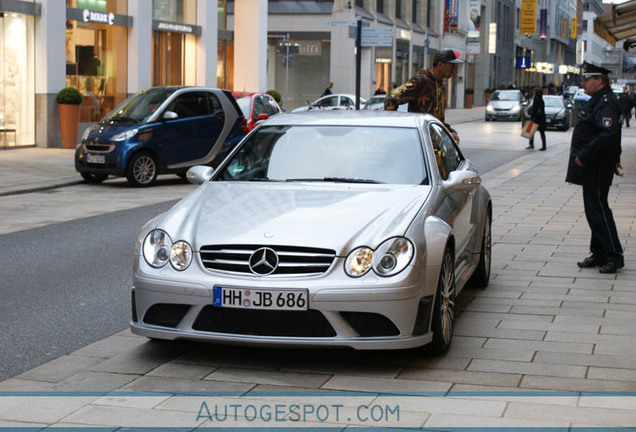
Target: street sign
x=347, y=23
x=293, y=49
x=377, y=36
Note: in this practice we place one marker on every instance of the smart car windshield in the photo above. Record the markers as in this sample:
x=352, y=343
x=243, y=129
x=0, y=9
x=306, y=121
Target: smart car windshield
x=555, y=102
x=329, y=154
x=139, y=107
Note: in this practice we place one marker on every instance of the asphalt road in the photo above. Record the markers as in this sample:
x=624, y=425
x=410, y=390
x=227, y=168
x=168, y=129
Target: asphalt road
x=66, y=285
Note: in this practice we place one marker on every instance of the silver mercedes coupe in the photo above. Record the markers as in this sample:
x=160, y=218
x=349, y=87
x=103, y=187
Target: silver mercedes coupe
x=342, y=228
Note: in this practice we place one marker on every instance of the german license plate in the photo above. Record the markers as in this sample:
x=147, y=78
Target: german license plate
x=247, y=298
x=548, y=120
x=96, y=159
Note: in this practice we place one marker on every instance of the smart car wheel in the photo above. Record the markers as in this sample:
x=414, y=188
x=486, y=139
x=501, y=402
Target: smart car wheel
x=142, y=170
x=481, y=276
x=444, y=309
x=93, y=178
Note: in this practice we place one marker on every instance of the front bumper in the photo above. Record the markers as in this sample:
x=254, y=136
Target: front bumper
x=113, y=162
x=376, y=313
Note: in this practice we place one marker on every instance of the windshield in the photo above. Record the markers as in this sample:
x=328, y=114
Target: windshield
x=329, y=153
x=553, y=102
x=244, y=104
x=139, y=107
x=505, y=96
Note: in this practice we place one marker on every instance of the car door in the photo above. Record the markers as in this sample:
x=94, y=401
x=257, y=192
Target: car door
x=458, y=200
x=327, y=103
x=346, y=103
x=192, y=134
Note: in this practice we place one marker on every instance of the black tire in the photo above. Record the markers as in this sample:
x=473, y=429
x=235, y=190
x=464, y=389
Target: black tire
x=93, y=178
x=481, y=276
x=444, y=308
x=142, y=170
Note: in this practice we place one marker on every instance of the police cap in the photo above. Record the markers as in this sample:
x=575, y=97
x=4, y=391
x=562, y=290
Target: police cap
x=591, y=70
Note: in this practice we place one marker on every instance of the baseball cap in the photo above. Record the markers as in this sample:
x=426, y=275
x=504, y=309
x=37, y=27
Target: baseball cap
x=446, y=56
x=590, y=70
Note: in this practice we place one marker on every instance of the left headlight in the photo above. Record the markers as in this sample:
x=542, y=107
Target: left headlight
x=158, y=250
x=87, y=132
x=123, y=136
x=390, y=258
x=516, y=108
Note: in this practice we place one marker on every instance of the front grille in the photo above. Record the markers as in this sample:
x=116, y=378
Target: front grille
x=293, y=261
x=252, y=322
x=96, y=147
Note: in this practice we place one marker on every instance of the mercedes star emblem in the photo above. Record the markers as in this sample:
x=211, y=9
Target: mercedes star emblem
x=263, y=261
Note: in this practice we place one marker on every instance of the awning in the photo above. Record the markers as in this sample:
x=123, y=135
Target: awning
x=619, y=24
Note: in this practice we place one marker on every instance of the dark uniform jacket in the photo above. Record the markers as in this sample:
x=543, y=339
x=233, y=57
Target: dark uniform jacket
x=596, y=140
x=537, y=112
x=423, y=93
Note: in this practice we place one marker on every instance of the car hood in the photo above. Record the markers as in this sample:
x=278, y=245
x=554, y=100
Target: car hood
x=103, y=132
x=326, y=215
x=549, y=110
x=503, y=104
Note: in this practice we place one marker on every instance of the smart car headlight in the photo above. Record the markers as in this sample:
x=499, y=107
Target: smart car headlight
x=560, y=114
x=392, y=256
x=157, y=248
x=123, y=136
x=180, y=255
x=359, y=262
x=87, y=132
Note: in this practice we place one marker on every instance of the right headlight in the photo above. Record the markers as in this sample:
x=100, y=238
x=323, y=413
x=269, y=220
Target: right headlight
x=158, y=250
x=123, y=136
x=490, y=109
x=87, y=132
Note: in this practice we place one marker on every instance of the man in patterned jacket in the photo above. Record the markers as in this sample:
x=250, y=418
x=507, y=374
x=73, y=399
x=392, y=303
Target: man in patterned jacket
x=425, y=92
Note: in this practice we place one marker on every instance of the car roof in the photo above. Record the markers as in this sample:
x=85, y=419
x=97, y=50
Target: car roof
x=351, y=118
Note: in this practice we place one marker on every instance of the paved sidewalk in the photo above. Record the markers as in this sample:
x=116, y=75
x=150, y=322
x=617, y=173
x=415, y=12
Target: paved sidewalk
x=545, y=345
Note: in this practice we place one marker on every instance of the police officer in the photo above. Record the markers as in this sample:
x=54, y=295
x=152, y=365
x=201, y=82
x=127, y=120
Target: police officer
x=594, y=159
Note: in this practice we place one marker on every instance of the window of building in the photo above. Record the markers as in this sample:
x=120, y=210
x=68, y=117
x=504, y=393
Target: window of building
x=414, y=11
x=379, y=6
x=174, y=54
x=17, y=80
x=398, y=9
x=96, y=58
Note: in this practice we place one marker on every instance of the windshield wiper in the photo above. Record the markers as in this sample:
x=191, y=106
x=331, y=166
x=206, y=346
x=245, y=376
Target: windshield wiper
x=123, y=119
x=335, y=179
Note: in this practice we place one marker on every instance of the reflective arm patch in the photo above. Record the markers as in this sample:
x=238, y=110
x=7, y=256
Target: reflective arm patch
x=607, y=122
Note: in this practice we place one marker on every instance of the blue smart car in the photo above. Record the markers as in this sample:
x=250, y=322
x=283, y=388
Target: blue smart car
x=160, y=130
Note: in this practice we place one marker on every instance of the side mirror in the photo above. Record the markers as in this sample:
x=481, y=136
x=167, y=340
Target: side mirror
x=569, y=105
x=199, y=174
x=262, y=116
x=170, y=115
x=462, y=180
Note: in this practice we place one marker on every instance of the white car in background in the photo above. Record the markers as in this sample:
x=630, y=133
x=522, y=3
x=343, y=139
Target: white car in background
x=339, y=101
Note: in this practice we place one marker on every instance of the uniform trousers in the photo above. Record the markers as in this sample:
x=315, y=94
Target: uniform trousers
x=604, y=244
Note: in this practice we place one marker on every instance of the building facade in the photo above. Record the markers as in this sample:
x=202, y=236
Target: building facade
x=108, y=49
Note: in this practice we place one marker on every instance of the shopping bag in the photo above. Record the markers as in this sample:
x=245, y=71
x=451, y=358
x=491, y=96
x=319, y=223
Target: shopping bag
x=529, y=128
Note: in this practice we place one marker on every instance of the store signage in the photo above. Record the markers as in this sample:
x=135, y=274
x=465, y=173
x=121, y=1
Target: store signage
x=543, y=23
x=377, y=36
x=98, y=17
x=310, y=47
x=492, y=38
x=528, y=19
x=450, y=16
x=173, y=27
x=546, y=68
x=573, y=29
x=89, y=16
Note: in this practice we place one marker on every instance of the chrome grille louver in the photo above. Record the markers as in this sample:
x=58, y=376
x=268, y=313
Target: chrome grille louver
x=293, y=261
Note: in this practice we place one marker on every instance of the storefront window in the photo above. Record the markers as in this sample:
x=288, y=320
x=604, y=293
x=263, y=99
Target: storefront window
x=402, y=63
x=174, y=53
x=17, y=80
x=96, y=58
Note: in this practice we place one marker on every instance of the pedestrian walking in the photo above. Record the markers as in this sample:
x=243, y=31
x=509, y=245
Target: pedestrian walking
x=425, y=92
x=594, y=159
x=537, y=115
x=327, y=90
x=626, y=103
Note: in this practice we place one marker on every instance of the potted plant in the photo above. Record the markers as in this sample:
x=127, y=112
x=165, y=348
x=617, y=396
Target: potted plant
x=469, y=92
x=487, y=92
x=69, y=100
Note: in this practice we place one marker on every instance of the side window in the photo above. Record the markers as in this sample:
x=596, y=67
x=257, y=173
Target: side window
x=270, y=106
x=215, y=104
x=447, y=156
x=327, y=102
x=259, y=106
x=192, y=104
x=346, y=102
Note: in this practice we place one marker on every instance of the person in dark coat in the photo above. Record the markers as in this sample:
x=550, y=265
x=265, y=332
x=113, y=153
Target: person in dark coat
x=537, y=115
x=594, y=159
x=327, y=90
x=626, y=103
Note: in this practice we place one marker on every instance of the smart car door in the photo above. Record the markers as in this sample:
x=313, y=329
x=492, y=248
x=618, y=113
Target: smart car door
x=192, y=134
